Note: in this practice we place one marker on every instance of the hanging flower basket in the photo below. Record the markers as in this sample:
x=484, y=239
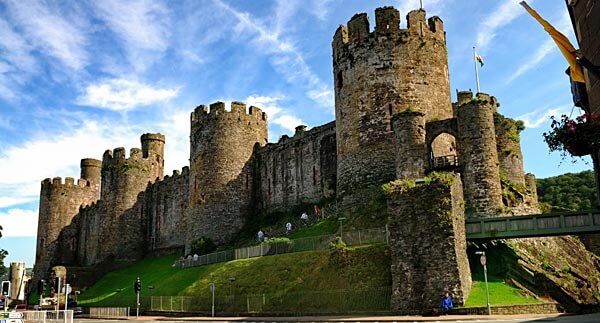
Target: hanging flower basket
x=578, y=147
x=578, y=137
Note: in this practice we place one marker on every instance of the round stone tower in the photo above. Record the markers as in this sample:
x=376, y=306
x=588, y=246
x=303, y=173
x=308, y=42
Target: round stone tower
x=221, y=146
x=478, y=154
x=59, y=203
x=378, y=74
x=91, y=170
x=123, y=179
x=411, y=150
x=509, y=148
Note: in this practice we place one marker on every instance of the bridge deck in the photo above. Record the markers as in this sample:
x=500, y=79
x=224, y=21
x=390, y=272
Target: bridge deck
x=533, y=225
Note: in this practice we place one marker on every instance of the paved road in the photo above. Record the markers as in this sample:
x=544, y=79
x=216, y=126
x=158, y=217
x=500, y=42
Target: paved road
x=588, y=318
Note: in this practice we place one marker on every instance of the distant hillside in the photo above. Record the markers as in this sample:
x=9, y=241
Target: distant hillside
x=570, y=191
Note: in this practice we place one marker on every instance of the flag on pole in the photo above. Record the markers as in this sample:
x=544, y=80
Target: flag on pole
x=479, y=59
x=562, y=42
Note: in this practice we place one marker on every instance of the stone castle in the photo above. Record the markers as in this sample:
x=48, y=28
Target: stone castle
x=394, y=119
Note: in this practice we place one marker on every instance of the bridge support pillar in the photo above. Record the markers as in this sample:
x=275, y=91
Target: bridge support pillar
x=428, y=244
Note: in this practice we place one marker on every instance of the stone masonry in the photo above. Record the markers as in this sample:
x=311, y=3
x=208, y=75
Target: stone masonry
x=428, y=244
x=376, y=75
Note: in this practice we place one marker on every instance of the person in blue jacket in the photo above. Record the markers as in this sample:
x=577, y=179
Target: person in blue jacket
x=446, y=303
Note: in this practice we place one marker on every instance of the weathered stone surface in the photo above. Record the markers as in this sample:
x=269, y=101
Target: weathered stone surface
x=509, y=148
x=411, y=151
x=478, y=155
x=59, y=203
x=428, y=245
x=297, y=170
x=378, y=74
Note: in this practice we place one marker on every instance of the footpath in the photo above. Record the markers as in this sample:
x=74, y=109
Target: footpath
x=443, y=318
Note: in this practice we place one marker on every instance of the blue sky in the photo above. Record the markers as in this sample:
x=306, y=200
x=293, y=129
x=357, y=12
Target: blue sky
x=80, y=77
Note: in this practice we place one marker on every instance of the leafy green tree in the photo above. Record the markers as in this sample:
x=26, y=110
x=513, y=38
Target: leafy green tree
x=570, y=191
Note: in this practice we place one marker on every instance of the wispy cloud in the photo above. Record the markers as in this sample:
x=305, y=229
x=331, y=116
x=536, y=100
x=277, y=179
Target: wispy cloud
x=499, y=17
x=538, y=117
x=19, y=223
x=548, y=47
x=121, y=94
x=285, y=57
x=51, y=31
x=533, y=60
x=143, y=26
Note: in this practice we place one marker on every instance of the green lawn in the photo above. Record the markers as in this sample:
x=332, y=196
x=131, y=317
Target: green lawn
x=501, y=293
x=302, y=272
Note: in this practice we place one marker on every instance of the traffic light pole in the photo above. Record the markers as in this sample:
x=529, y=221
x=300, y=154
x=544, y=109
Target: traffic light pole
x=137, y=310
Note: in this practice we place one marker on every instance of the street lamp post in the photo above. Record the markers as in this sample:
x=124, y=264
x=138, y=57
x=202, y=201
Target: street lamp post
x=483, y=260
x=212, y=289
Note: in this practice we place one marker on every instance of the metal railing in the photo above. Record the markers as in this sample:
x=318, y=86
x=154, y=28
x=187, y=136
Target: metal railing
x=334, y=301
x=443, y=162
x=523, y=226
x=109, y=312
x=48, y=316
x=352, y=238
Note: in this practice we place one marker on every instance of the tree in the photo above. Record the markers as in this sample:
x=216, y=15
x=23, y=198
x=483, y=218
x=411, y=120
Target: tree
x=567, y=192
x=3, y=254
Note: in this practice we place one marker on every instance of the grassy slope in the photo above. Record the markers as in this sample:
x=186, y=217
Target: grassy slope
x=500, y=293
x=296, y=272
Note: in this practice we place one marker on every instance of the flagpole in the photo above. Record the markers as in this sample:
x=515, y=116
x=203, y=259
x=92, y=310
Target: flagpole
x=476, y=70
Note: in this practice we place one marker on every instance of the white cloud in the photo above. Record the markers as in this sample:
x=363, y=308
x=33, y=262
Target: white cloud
x=143, y=26
x=498, y=18
x=539, y=117
x=50, y=30
x=121, y=94
x=288, y=122
x=268, y=104
x=19, y=223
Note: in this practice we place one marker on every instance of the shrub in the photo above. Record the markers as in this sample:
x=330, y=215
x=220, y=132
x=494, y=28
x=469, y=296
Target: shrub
x=203, y=245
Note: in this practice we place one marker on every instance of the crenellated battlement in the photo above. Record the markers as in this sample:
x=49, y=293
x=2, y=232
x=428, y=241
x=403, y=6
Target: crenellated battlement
x=466, y=97
x=357, y=31
x=57, y=182
x=119, y=155
x=237, y=112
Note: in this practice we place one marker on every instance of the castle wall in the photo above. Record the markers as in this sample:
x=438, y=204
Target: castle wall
x=377, y=74
x=165, y=203
x=297, y=170
x=221, y=146
x=478, y=154
x=59, y=203
x=428, y=245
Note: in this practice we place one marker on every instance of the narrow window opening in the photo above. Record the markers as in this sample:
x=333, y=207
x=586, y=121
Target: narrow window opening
x=340, y=80
x=314, y=175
